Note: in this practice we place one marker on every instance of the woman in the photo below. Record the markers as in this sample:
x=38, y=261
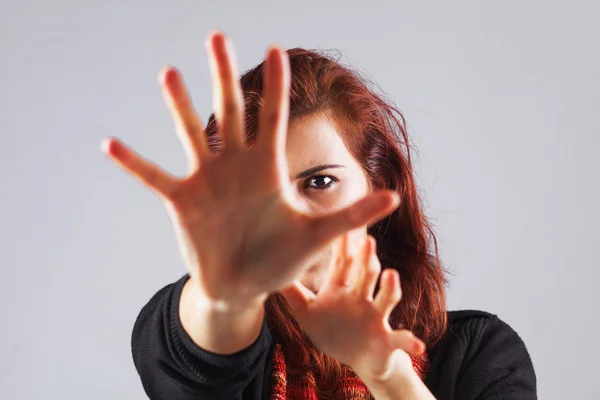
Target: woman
x=300, y=190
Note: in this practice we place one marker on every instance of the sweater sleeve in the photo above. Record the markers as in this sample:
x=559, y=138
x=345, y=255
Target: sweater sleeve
x=497, y=365
x=172, y=366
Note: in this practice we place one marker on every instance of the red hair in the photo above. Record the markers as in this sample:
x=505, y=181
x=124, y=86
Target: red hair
x=375, y=133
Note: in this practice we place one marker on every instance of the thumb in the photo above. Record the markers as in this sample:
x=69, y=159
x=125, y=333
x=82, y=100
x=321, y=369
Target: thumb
x=365, y=211
x=298, y=297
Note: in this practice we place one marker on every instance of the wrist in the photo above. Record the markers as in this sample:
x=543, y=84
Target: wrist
x=406, y=387
x=226, y=307
x=219, y=327
x=400, y=381
x=201, y=300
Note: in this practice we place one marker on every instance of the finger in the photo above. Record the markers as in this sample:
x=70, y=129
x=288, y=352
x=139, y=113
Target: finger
x=274, y=114
x=339, y=249
x=407, y=341
x=298, y=297
x=360, y=264
x=369, y=272
x=187, y=123
x=365, y=211
x=389, y=293
x=228, y=101
x=336, y=259
x=145, y=171
x=339, y=275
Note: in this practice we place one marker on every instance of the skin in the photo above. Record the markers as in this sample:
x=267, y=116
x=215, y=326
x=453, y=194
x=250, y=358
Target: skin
x=236, y=215
x=239, y=221
x=314, y=141
x=333, y=300
x=345, y=315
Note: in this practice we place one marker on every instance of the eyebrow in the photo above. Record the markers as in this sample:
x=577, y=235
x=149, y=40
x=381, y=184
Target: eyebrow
x=318, y=168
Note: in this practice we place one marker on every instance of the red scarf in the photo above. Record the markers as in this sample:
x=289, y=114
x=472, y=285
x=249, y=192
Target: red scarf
x=286, y=387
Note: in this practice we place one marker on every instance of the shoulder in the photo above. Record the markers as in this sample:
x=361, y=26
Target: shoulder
x=488, y=356
x=472, y=323
x=462, y=317
x=464, y=333
x=479, y=330
x=478, y=327
x=157, y=300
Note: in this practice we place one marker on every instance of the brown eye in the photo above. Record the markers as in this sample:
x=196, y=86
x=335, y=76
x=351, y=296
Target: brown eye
x=320, y=182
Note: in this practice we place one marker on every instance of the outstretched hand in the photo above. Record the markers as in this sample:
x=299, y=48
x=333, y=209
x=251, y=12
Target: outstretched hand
x=234, y=214
x=344, y=320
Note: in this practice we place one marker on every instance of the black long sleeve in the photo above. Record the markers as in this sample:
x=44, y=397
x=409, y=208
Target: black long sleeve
x=480, y=358
x=171, y=366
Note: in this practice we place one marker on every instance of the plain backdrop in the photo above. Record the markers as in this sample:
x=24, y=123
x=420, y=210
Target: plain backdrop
x=501, y=100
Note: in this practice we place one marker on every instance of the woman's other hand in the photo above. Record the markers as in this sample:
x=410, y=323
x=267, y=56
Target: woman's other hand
x=344, y=320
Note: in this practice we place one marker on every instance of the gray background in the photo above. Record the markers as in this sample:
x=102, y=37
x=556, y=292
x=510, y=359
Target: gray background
x=501, y=100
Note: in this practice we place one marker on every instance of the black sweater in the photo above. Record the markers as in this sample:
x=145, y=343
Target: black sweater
x=479, y=358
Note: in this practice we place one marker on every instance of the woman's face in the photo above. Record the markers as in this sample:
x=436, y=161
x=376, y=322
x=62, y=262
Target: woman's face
x=312, y=143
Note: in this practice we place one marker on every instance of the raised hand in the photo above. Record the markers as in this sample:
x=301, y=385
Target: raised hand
x=344, y=320
x=236, y=223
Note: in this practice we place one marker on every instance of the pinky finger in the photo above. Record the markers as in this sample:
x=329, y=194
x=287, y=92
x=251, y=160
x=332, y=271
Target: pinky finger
x=389, y=292
x=145, y=171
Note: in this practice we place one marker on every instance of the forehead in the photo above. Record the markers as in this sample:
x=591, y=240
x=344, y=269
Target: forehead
x=313, y=140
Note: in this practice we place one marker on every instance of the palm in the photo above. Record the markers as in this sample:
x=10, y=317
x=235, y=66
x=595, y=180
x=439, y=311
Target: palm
x=343, y=334
x=237, y=227
x=238, y=206
x=346, y=321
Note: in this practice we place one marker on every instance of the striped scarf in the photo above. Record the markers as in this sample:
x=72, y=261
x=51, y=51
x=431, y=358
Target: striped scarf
x=286, y=387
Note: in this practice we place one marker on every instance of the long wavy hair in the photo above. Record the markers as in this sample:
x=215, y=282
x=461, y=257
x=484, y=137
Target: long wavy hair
x=375, y=133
